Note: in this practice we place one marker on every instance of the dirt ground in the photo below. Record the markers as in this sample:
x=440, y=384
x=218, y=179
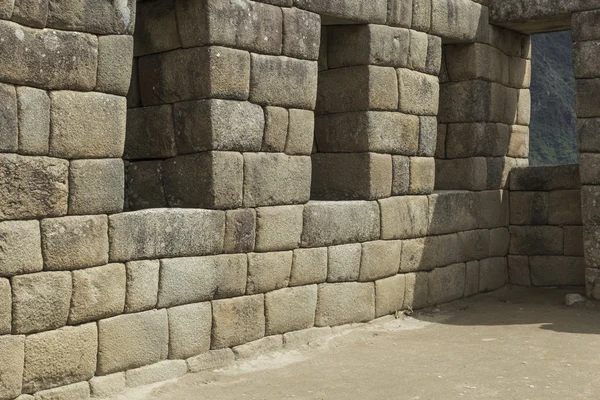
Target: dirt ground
x=516, y=343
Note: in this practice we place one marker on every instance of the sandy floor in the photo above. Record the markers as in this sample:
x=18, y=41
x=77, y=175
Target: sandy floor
x=512, y=344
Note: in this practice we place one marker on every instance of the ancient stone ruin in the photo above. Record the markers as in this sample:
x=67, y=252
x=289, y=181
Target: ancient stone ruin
x=266, y=170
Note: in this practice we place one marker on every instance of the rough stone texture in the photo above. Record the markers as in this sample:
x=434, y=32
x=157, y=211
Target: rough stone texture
x=268, y=271
x=11, y=365
x=5, y=307
x=90, y=16
x=276, y=129
x=529, y=208
x=144, y=185
x=492, y=273
x=141, y=285
x=210, y=360
x=446, y=284
x=557, y=271
x=131, y=341
x=344, y=303
x=472, y=278
x=545, y=178
x=415, y=295
x=189, y=330
x=536, y=240
x=20, y=247
x=150, y=133
x=34, y=120
x=155, y=28
x=400, y=13
x=161, y=371
x=290, y=309
x=389, y=295
x=77, y=391
x=452, y=211
x=107, y=386
x=499, y=242
x=518, y=270
x=379, y=259
x=404, y=217
x=278, y=228
x=258, y=347
x=98, y=293
x=461, y=174
x=372, y=12
x=96, y=186
x=419, y=93
x=34, y=186
x=564, y=207
x=240, y=228
x=9, y=133
x=400, y=175
x=309, y=266
x=301, y=34
x=75, y=242
x=41, y=301
x=459, y=20
x=343, y=262
x=573, y=240
x=238, y=321
x=301, y=132
x=114, y=64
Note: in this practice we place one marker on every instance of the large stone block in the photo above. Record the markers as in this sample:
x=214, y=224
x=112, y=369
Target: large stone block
x=589, y=168
x=176, y=76
x=421, y=254
x=96, y=186
x=564, y=207
x=275, y=179
x=76, y=391
x=422, y=175
x=472, y=278
x=427, y=136
x=268, y=271
x=115, y=53
x=276, y=129
x=418, y=48
x=473, y=245
x=142, y=285
x=404, y=217
x=461, y=174
x=344, y=303
x=301, y=132
x=351, y=176
x=87, y=125
x=416, y=292
x=389, y=295
x=446, y=284
x=21, y=247
x=343, y=262
x=548, y=178
x=290, y=309
x=189, y=330
x=557, y=271
x=400, y=13
x=60, y=357
x=359, y=11
x=165, y=233
x=34, y=187
x=34, y=120
x=585, y=25
x=309, y=266
x=419, y=93
x=587, y=103
x=493, y=274
x=12, y=355
x=591, y=246
x=452, y=211
x=536, y=240
x=301, y=33
x=518, y=271
x=91, y=16
x=380, y=259
x=155, y=28
x=98, y=293
x=144, y=185
x=327, y=223
x=204, y=180
x=587, y=138
x=9, y=130
x=196, y=279
x=459, y=20
x=131, y=341
x=400, y=175
x=5, y=307
x=529, y=208
x=476, y=61
x=278, y=228
x=159, y=372
x=584, y=56
x=75, y=242
x=150, y=133
x=573, y=240
x=238, y=321
x=240, y=231
x=41, y=301
x=477, y=140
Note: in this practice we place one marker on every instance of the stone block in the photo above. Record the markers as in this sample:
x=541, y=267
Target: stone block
x=301, y=33
x=427, y=136
x=447, y=284
x=416, y=292
x=404, y=217
x=419, y=93
x=557, y=271
x=368, y=12
x=400, y=13
x=23, y=65
x=21, y=247
x=133, y=96
x=76, y=391
x=420, y=254
x=564, y=207
x=345, y=303
x=477, y=100
x=585, y=25
x=275, y=179
x=216, y=124
x=452, y=211
x=400, y=175
x=240, y=228
x=34, y=120
x=107, y=386
x=141, y=285
x=210, y=360
x=158, y=372
x=545, y=178
x=196, y=279
x=150, y=133
x=591, y=246
x=343, y=262
x=5, y=307
x=365, y=131
x=353, y=45
x=499, y=242
x=98, y=293
x=204, y=180
x=238, y=321
x=476, y=61
x=351, y=176
x=472, y=278
x=115, y=53
x=461, y=174
x=421, y=15
x=327, y=223
x=492, y=274
x=75, y=242
x=519, y=141
x=101, y=18
x=96, y=186
x=309, y=266
x=422, y=175
x=536, y=240
x=290, y=309
x=380, y=259
x=473, y=245
x=573, y=240
x=358, y=88
x=258, y=347
x=155, y=28
x=278, y=228
x=40, y=301
x=165, y=233
x=518, y=270
x=313, y=337
x=189, y=330
x=9, y=133
x=529, y=208
x=477, y=140
x=60, y=357
x=587, y=103
x=434, y=55
x=459, y=20
x=132, y=340
x=587, y=138
x=11, y=365
x=519, y=73
x=268, y=271
x=276, y=129
x=584, y=56
x=419, y=42
x=283, y=81
x=166, y=77
x=33, y=186
x=589, y=167
x=440, y=148
x=301, y=132
x=389, y=295
x=6, y=9
x=144, y=185
x=524, y=107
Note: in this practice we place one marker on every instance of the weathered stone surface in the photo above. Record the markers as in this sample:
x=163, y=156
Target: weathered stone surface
x=587, y=103
x=524, y=107
x=499, y=242
x=309, y=266
x=452, y=211
x=60, y=357
x=573, y=240
x=589, y=165
x=90, y=16
x=34, y=120
x=131, y=341
x=276, y=129
x=564, y=207
x=76, y=391
x=519, y=141
x=204, y=180
x=196, y=279
x=301, y=33
x=20, y=247
x=266, y=345
x=400, y=175
x=107, y=386
x=371, y=12
x=344, y=303
x=477, y=139
x=529, y=208
x=5, y=307
x=240, y=228
x=380, y=259
x=400, y=13
x=418, y=49
x=343, y=262
x=557, y=271
x=518, y=270
x=585, y=26
x=427, y=136
x=87, y=125
x=415, y=296
x=422, y=175
x=238, y=321
x=75, y=242
x=150, y=133
x=461, y=174
x=472, y=278
x=591, y=246
x=536, y=240
x=210, y=360
x=275, y=179
x=459, y=20
x=165, y=233
x=98, y=293
x=9, y=131
x=141, y=285
x=189, y=330
x=41, y=301
x=268, y=271
x=96, y=186
x=327, y=223
x=158, y=372
x=545, y=178
x=389, y=295
x=476, y=61
x=278, y=228
x=446, y=284
x=33, y=186
x=11, y=365
x=6, y=9
x=155, y=27
x=492, y=274
x=301, y=132
x=144, y=185
x=419, y=93
x=290, y=309
x=114, y=64
x=420, y=254
x=312, y=337
x=586, y=134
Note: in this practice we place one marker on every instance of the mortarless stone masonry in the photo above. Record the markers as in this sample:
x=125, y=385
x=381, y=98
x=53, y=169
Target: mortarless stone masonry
x=185, y=182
